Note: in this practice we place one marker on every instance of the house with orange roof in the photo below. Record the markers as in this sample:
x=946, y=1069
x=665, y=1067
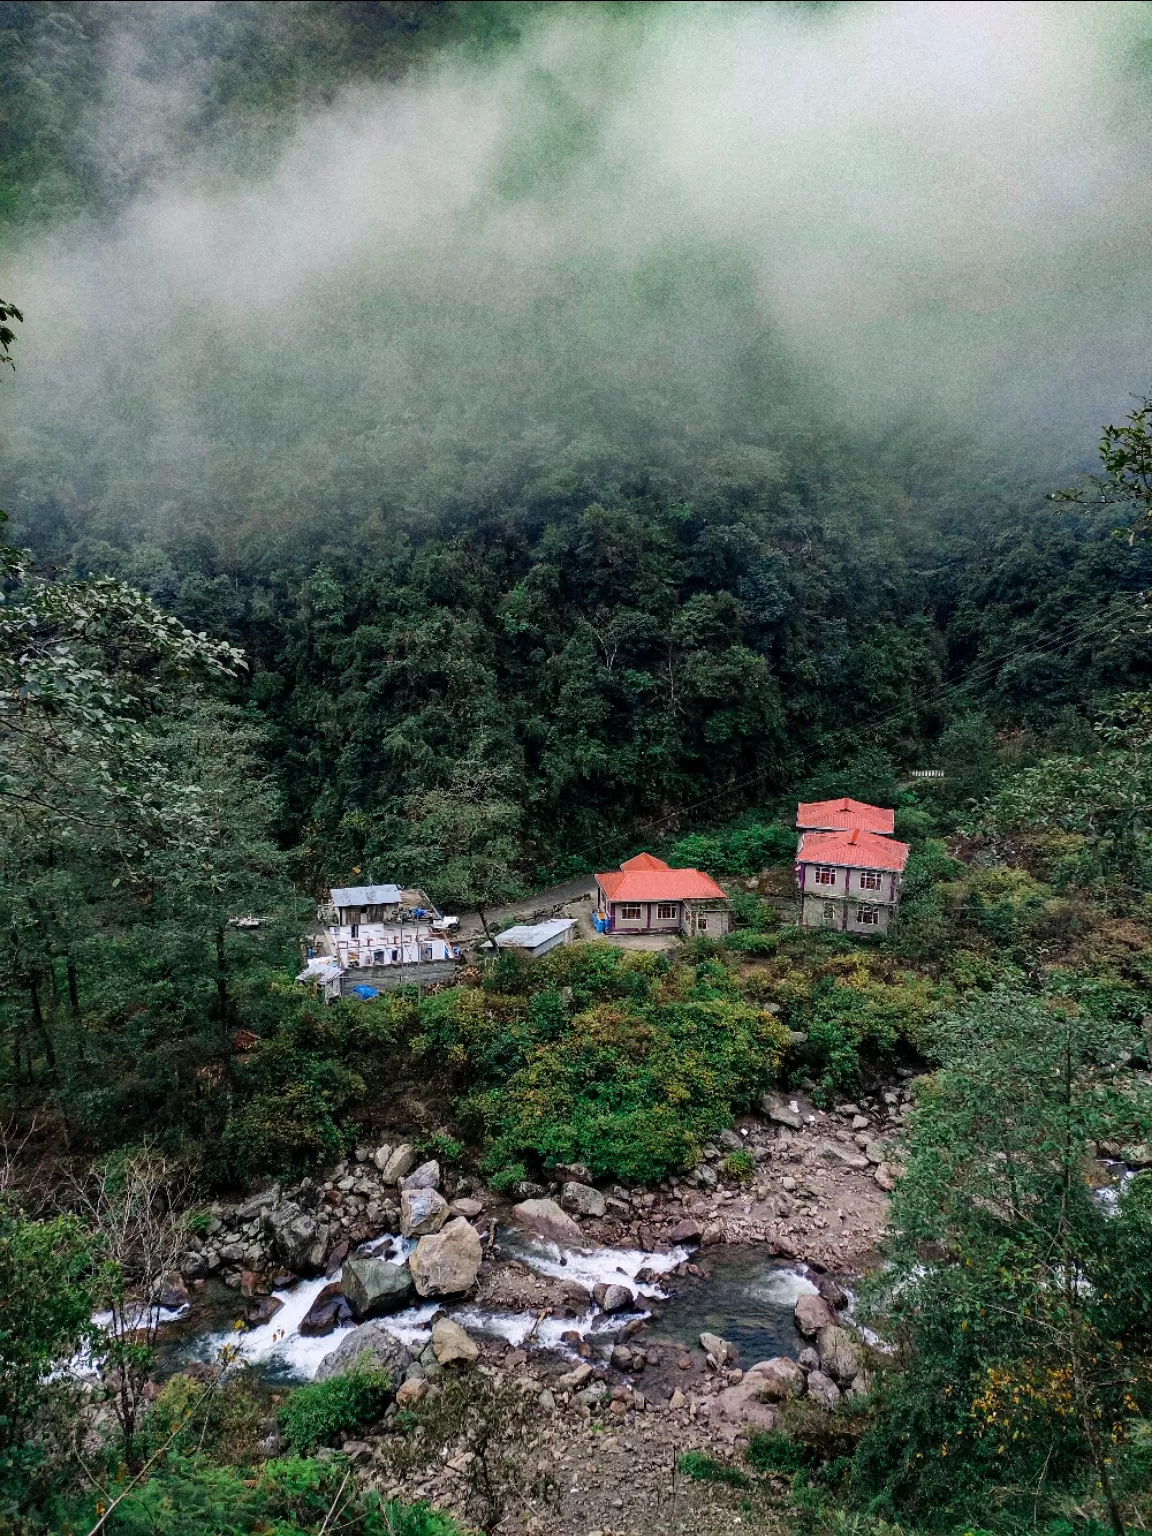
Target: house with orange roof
x=849, y=872
x=645, y=895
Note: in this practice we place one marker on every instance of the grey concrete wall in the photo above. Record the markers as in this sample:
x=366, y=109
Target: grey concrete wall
x=387, y=977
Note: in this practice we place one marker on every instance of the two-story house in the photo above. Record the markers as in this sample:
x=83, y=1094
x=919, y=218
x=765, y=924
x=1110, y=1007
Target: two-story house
x=645, y=895
x=848, y=866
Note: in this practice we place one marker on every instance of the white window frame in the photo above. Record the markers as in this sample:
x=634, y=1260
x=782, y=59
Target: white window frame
x=868, y=917
x=871, y=880
x=824, y=874
x=631, y=911
x=667, y=911
x=830, y=912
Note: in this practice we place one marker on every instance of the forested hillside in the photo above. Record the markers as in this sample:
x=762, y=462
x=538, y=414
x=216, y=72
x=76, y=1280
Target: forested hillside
x=464, y=445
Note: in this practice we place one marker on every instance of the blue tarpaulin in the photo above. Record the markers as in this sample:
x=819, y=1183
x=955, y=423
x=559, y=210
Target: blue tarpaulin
x=365, y=992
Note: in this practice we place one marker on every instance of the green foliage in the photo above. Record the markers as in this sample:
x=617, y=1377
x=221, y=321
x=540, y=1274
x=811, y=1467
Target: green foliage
x=190, y=1495
x=739, y=1165
x=318, y=1413
x=743, y=850
x=703, y=1468
x=1018, y=1302
x=648, y=1060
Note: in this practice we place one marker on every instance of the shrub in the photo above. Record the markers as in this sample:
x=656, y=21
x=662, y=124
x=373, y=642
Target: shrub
x=703, y=1468
x=316, y=1414
x=739, y=1165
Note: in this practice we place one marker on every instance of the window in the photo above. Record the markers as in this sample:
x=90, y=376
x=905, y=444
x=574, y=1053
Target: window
x=868, y=917
x=425, y=952
x=869, y=880
x=829, y=911
x=630, y=914
x=825, y=876
x=355, y=930
x=666, y=910
x=702, y=924
x=377, y=957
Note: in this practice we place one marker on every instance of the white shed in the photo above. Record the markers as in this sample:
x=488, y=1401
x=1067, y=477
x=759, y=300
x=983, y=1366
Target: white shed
x=537, y=939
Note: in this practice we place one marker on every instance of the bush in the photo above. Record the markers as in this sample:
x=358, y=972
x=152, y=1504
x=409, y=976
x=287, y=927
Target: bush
x=703, y=1468
x=737, y=851
x=317, y=1414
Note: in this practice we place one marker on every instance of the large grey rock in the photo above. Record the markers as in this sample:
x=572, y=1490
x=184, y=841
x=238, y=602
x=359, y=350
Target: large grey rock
x=730, y=1141
x=264, y=1200
x=612, y=1298
x=367, y=1345
x=823, y=1389
x=422, y=1211
x=582, y=1199
x=451, y=1345
x=401, y=1163
x=427, y=1176
x=840, y=1355
x=885, y=1176
x=783, y=1110
x=811, y=1314
x=381, y=1155
x=547, y=1219
x=876, y=1151
x=740, y=1409
x=373, y=1287
x=779, y=1378
x=720, y=1349
x=294, y=1238
x=837, y=1152
x=447, y=1264
x=572, y=1380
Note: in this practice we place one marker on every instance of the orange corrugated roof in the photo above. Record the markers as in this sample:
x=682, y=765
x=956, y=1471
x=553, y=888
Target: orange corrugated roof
x=842, y=815
x=656, y=882
x=645, y=861
x=856, y=849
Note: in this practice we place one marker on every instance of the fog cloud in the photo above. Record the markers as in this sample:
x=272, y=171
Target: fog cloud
x=632, y=228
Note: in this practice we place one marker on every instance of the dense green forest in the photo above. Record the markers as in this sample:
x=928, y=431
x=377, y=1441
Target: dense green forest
x=395, y=489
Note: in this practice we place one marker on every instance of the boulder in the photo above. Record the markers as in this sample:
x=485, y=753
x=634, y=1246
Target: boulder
x=840, y=1355
x=885, y=1176
x=399, y=1165
x=577, y=1173
x=380, y=1157
x=422, y=1211
x=374, y=1287
x=739, y=1409
x=837, y=1152
x=411, y=1392
x=468, y=1207
x=572, y=1380
x=686, y=1231
x=294, y=1238
x=330, y=1310
x=832, y=1291
x=262, y=1309
x=173, y=1292
x=447, y=1263
x=876, y=1151
x=808, y=1359
x=612, y=1298
x=779, y=1378
x=812, y=1313
x=720, y=1350
x=451, y=1345
x=193, y=1265
x=367, y=1345
x=823, y=1389
x=783, y=1110
x=427, y=1176
x=582, y=1200
x=545, y=1218
x=264, y=1200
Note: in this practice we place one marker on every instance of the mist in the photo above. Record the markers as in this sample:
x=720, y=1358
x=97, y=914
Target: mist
x=634, y=234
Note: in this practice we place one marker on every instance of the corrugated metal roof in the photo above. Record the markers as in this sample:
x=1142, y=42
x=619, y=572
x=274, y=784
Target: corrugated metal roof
x=365, y=895
x=529, y=935
x=842, y=815
x=658, y=885
x=853, y=850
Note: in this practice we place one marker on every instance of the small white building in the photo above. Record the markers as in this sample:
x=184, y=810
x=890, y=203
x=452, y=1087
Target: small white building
x=373, y=944
x=536, y=939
